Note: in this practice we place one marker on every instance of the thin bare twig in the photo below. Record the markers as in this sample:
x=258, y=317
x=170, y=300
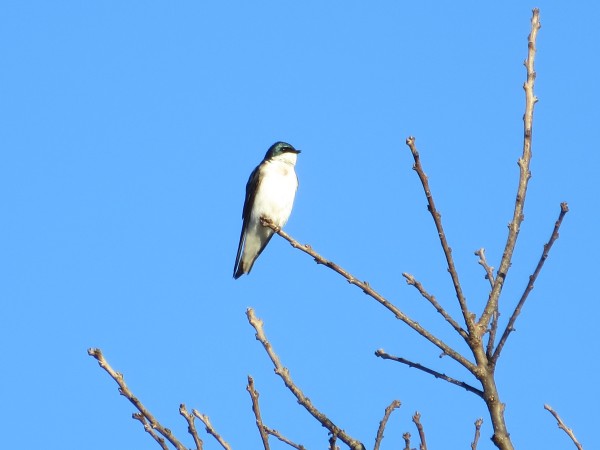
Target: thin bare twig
x=524, y=176
x=284, y=373
x=563, y=427
x=564, y=209
x=256, y=410
x=191, y=426
x=489, y=270
x=282, y=438
x=210, y=429
x=417, y=420
x=489, y=275
x=150, y=431
x=332, y=441
x=382, y=354
x=406, y=437
x=367, y=289
x=478, y=423
x=437, y=218
x=492, y=336
x=124, y=390
x=411, y=280
x=388, y=411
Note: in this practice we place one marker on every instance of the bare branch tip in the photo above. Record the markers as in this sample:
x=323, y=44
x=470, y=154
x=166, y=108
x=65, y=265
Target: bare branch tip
x=95, y=352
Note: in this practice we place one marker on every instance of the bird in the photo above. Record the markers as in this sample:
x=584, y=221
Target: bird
x=270, y=194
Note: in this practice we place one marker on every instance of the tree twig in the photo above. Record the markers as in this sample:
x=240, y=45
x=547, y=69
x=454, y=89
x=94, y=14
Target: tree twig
x=332, y=441
x=417, y=420
x=210, y=429
x=524, y=176
x=411, y=280
x=382, y=354
x=367, y=289
x=282, y=438
x=492, y=336
x=437, y=218
x=388, y=411
x=478, y=423
x=256, y=410
x=191, y=426
x=124, y=390
x=489, y=275
x=284, y=373
x=563, y=427
x=564, y=209
x=406, y=437
x=489, y=271
x=150, y=431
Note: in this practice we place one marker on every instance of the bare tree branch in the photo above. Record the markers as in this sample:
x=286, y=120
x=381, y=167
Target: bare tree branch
x=406, y=437
x=437, y=218
x=525, y=174
x=564, y=209
x=332, y=441
x=388, y=411
x=478, y=423
x=382, y=354
x=367, y=289
x=489, y=271
x=210, y=429
x=492, y=336
x=489, y=275
x=282, y=438
x=124, y=390
x=256, y=410
x=150, y=431
x=191, y=426
x=563, y=427
x=417, y=420
x=284, y=373
x=413, y=282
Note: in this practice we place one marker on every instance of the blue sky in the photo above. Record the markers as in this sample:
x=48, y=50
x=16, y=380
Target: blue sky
x=128, y=131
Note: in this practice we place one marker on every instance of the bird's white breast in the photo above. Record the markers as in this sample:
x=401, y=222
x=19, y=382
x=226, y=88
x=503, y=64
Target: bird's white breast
x=275, y=194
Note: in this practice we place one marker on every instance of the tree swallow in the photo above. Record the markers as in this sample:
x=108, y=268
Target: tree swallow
x=270, y=193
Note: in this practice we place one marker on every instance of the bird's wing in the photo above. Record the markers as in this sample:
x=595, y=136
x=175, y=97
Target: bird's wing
x=251, y=188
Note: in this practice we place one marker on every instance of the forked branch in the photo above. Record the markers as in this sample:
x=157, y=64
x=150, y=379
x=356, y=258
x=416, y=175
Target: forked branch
x=145, y=415
x=367, y=289
x=284, y=373
x=149, y=421
x=190, y=419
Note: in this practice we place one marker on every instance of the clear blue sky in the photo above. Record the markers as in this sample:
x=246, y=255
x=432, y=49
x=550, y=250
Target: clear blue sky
x=128, y=131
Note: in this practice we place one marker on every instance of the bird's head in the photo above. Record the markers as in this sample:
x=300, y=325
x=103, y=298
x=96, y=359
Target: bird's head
x=280, y=148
